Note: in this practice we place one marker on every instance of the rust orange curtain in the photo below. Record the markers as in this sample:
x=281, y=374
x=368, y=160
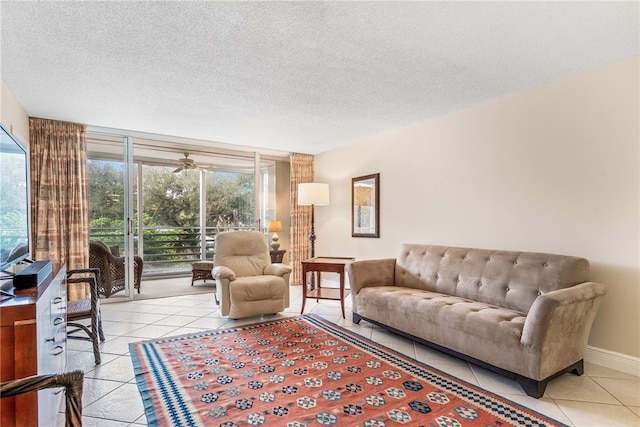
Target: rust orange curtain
x=59, y=193
x=301, y=170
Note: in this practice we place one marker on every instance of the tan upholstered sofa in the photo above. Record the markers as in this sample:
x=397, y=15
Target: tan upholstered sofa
x=247, y=283
x=525, y=315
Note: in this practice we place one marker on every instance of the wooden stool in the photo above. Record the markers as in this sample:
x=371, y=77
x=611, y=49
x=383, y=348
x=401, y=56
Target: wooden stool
x=202, y=270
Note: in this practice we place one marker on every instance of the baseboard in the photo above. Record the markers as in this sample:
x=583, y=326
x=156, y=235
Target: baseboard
x=611, y=359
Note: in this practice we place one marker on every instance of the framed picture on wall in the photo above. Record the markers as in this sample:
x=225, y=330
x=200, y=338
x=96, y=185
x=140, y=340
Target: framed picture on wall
x=365, y=206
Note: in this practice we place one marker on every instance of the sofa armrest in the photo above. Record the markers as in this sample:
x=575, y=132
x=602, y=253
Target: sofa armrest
x=373, y=272
x=559, y=322
x=221, y=272
x=277, y=269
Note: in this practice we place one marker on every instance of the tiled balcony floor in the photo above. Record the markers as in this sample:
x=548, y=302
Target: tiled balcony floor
x=601, y=397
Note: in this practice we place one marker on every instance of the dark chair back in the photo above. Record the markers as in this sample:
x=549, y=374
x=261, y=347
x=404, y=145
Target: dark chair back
x=111, y=279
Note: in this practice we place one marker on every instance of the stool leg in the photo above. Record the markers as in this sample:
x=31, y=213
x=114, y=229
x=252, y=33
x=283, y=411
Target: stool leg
x=100, y=333
x=94, y=338
x=96, y=348
x=96, y=322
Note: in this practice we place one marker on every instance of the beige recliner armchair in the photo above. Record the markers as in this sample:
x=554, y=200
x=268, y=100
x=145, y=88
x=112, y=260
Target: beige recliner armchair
x=247, y=283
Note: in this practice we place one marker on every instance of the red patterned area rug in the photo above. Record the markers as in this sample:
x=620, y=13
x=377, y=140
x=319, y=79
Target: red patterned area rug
x=305, y=371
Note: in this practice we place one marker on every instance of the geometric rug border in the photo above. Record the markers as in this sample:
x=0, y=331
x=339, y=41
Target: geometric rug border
x=512, y=412
x=479, y=390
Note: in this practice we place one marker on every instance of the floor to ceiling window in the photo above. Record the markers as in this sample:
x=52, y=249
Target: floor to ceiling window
x=182, y=196
x=107, y=200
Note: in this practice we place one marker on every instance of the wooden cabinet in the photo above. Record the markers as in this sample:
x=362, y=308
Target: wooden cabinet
x=33, y=341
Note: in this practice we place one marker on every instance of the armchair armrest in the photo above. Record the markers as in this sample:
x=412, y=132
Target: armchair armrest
x=82, y=283
x=559, y=321
x=221, y=272
x=95, y=271
x=277, y=269
x=372, y=272
x=71, y=381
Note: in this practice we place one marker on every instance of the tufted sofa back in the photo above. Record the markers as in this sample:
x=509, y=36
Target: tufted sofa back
x=503, y=278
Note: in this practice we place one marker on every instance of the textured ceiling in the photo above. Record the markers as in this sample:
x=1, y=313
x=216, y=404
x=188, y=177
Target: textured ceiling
x=294, y=76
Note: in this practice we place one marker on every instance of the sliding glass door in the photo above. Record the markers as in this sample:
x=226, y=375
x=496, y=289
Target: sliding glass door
x=180, y=198
x=112, y=180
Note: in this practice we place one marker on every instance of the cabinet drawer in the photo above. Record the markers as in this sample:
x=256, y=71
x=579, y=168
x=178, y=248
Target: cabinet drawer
x=33, y=340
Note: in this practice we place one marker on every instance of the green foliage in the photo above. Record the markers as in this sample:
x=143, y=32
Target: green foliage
x=171, y=215
x=230, y=200
x=106, y=190
x=171, y=199
x=13, y=194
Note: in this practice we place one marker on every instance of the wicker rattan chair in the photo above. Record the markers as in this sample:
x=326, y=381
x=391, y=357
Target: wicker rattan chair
x=111, y=278
x=85, y=307
x=71, y=381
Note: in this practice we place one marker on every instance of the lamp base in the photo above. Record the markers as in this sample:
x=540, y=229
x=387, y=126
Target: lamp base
x=275, y=242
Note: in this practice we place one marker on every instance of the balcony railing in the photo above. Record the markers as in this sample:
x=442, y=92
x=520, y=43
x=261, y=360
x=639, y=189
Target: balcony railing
x=166, y=250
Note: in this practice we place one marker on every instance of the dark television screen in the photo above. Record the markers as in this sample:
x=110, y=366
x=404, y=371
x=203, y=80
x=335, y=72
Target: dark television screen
x=14, y=208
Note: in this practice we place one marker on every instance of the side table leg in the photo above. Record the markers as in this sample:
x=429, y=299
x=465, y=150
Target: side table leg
x=342, y=293
x=304, y=290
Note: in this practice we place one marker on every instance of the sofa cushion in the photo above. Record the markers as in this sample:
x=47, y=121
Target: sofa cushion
x=508, y=279
x=480, y=330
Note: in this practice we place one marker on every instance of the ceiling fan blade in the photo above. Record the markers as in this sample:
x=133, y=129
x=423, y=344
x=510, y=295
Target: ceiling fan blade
x=178, y=170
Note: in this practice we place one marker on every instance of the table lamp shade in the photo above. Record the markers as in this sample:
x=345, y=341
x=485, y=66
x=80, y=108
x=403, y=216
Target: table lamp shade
x=313, y=193
x=274, y=226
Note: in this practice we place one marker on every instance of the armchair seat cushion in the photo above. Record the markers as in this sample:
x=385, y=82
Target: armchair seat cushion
x=266, y=294
x=252, y=288
x=79, y=306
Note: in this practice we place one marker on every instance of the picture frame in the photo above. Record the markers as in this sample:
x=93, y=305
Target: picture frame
x=365, y=206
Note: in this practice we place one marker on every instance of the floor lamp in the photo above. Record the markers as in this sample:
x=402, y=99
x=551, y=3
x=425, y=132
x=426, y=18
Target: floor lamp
x=313, y=194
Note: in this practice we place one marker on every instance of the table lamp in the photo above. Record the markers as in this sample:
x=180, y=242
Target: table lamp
x=274, y=227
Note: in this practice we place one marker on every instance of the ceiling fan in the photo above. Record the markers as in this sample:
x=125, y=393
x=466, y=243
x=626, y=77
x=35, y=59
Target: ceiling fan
x=186, y=163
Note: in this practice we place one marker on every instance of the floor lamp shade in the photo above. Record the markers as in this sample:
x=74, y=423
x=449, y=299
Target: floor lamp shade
x=313, y=193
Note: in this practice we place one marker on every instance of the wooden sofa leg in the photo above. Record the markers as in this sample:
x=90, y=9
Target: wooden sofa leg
x=356, y=318
x=578, y=368
x=536, y=389
x=533, y=388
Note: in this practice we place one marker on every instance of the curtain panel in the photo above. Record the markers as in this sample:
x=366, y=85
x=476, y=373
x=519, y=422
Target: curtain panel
x=301, y=170
x=59, y=193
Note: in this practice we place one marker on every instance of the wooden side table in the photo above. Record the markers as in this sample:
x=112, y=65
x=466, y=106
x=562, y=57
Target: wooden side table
x=277, y=256
x=329, y=265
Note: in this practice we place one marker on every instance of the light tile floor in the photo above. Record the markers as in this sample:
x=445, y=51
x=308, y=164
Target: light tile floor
x=601, y=397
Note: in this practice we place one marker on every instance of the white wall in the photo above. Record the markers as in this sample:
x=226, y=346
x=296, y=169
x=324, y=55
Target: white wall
x=553, y=169
x=12, y=116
